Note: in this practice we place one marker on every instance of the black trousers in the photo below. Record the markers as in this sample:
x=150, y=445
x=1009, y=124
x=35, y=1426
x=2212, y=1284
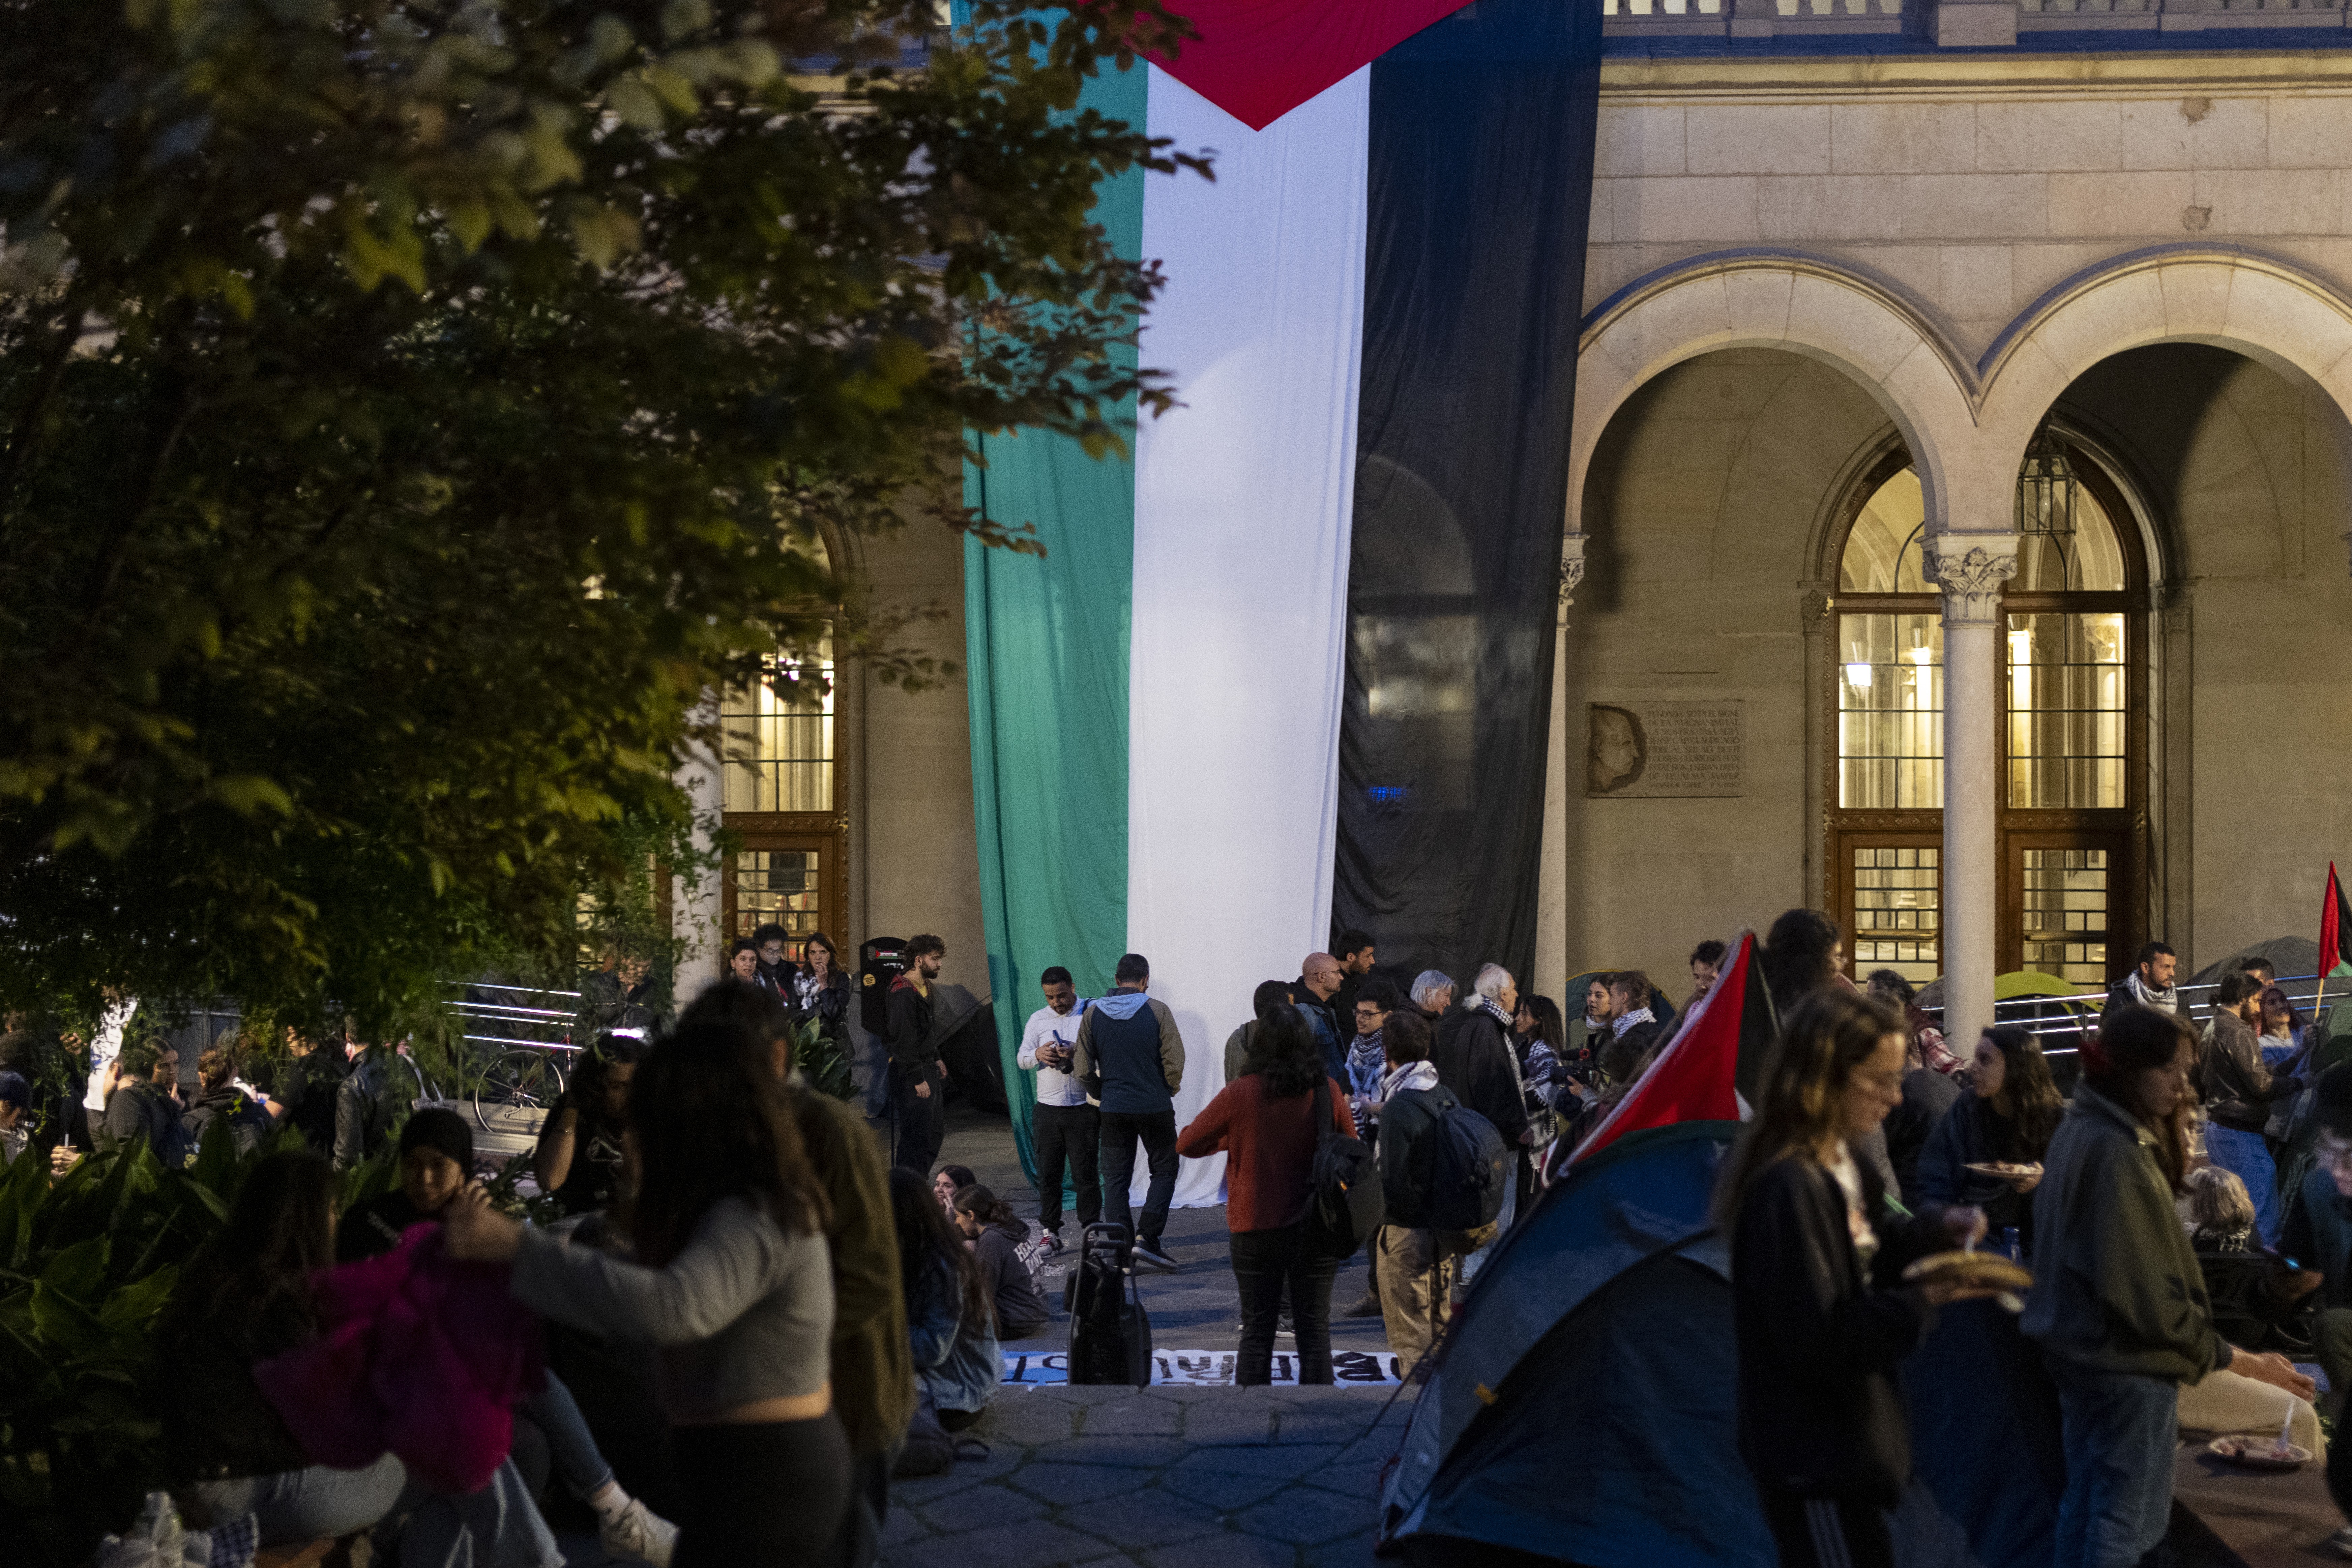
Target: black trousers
x=1071, y=1132
x=737, y=1514
x=1120, y=1132
x=1266, y=1265
x=922, y=1123
x=1827, y=1532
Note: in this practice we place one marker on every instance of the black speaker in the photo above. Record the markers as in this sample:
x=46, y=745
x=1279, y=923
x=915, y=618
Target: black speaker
x=879, y=962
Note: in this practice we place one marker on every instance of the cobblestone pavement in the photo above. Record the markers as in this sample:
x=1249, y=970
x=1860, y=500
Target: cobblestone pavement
x=1162, y=1478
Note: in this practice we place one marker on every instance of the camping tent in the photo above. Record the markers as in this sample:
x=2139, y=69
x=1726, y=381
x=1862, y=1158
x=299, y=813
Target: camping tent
x=1582, y=1409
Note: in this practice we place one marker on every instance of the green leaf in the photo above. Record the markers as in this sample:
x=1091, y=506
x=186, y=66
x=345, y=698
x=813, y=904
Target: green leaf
x=135, y=1304
x=80, y=1271
x=635, y=102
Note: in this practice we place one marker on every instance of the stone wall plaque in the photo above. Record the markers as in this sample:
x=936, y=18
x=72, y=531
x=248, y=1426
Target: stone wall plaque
x=1639, y=750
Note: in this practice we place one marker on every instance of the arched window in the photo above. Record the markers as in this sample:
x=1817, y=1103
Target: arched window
x=2066, y=756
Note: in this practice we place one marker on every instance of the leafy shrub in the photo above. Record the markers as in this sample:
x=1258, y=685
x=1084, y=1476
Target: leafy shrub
x=85, y=1267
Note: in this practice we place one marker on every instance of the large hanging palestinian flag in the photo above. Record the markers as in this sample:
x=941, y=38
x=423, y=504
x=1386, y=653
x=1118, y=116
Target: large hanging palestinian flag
x=1303, y=638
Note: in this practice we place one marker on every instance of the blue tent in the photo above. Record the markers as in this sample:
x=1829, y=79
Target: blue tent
x=1585, y=1408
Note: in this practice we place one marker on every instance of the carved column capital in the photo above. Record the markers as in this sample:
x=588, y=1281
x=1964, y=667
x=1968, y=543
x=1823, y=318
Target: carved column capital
x=1572, y=570
x=1971, y=567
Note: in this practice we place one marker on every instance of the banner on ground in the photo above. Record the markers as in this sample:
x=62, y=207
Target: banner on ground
x=1207, y=1369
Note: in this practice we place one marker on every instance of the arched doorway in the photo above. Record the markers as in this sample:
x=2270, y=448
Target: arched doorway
x=2069, y=745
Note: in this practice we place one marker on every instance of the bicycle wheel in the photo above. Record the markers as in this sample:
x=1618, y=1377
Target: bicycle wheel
x=514, y=1086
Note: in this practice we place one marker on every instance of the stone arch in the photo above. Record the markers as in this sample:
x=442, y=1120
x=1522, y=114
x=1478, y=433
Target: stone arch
x=1763, y=299
x=2273, y=313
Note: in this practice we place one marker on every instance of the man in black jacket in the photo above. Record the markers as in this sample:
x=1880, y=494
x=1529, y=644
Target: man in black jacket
x=143, y=1104
x=918, y=1084
x=1475, y=1064
x=1357, y=955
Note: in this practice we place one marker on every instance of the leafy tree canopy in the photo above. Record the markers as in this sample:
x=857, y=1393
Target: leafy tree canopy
x=412, y=410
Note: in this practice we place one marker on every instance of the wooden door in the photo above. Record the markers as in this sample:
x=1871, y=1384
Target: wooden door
x=799, y=881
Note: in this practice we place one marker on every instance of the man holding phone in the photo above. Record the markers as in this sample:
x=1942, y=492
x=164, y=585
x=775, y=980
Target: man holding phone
x=1066, y=1124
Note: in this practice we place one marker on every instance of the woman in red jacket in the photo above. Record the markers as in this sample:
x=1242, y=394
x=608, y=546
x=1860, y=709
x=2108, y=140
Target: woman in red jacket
x=1266, y=1121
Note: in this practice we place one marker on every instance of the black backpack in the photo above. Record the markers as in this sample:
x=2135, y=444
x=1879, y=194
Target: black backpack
x=1470, y=1168
x=1349, y=1199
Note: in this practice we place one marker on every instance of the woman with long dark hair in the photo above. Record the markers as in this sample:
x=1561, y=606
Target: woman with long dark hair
x=247, y=1296
x=2009, y=1120
x=578, y=1159
x=996, y=1234
x=734, y=1287
x=2119, y=1304
x=1804, y=953
x=950, y=1317
x=1266, y=1121
x=820, y=988
x=1815, y=1253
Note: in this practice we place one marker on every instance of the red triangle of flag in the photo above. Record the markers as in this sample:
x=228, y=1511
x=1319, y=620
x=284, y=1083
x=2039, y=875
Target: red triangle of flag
x=1259, y=60
x=2335, y=926
x=1696, y=1076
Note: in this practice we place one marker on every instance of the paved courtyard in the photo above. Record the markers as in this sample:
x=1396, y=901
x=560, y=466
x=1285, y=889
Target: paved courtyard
x=1167, y=1476
x=1164, y=1477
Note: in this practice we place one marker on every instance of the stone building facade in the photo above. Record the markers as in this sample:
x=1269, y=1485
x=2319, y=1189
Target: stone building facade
x=1833, y=293
x=1853, y=270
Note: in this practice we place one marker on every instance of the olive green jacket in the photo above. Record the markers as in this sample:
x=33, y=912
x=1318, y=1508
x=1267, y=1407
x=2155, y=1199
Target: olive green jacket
x=2116, y=1285
x=872, y=1363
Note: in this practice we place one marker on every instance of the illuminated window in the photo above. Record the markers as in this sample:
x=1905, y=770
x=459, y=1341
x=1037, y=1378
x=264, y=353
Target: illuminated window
x=778, y=740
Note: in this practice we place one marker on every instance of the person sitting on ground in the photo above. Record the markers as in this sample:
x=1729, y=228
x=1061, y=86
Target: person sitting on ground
x=732, y=1283
x=1816, y=1255
x=873, y=1375
x=1705, y=968
x=2220, y=1215
x=950, y=1315
x=947, y=1182
x=436, y=1163
x=1411, y=1261
x=144, y=1104
x=2318, y=1237
x=578, y=1159
x=2008, y=1118
x=1269, y=1121
x=2239, y=1091
x=220, y=1099
x=2119, y=1304
x=247, y=1295
x=997, y=1236
x=1269, y=994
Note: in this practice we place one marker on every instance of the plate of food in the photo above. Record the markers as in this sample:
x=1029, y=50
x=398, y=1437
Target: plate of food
x=2256, y=1451
x=2004, y=1170
x=1987, y=1270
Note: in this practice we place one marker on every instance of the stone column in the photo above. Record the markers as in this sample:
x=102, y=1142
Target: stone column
x=695, y=908
x=1551, y=880
x=1971, y=568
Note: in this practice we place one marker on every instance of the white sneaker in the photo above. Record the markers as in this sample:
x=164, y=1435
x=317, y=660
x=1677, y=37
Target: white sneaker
x=638, y=1532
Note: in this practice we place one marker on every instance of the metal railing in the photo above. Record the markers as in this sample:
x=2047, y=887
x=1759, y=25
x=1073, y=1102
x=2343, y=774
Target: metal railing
x=2079, y=1010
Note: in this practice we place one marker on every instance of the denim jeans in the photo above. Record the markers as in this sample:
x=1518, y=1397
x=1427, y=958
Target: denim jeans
x=1266, y=1265
x=1157, y=1130
x=497, y=1527
x=2248, y=1157
x=577, y=1458
x=2118, y=1429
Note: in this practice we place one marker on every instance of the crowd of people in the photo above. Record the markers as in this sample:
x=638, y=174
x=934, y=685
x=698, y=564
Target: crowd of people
x=831, y=1306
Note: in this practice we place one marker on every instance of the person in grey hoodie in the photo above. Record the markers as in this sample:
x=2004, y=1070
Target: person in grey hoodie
x=2119, y=1304
x=1130, y=1056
